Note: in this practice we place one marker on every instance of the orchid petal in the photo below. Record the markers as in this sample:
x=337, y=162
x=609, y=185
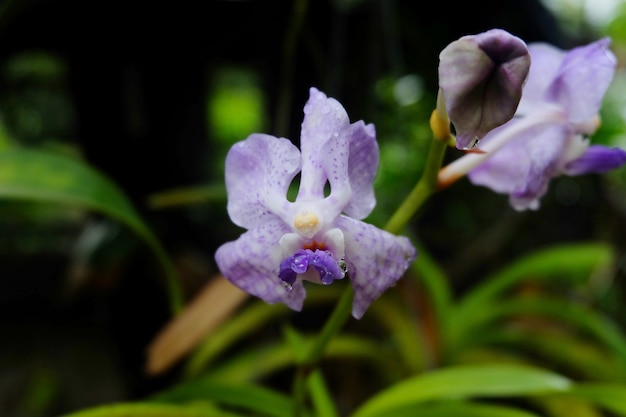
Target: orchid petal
x=325, y=119
x=546, y=60
x=252, y=263
x=596, y=159
x=258, y=173
x=375, y=259
x=525, y=166
x=362, y=167
x=584, y=76
x=344, y=154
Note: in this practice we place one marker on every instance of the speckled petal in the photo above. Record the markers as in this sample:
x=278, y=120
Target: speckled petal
x=252, y=263
x=258, y=173
x=344, y=154
x=325, y=120
x=362, y=168
x=596, y=159
x=375, y=259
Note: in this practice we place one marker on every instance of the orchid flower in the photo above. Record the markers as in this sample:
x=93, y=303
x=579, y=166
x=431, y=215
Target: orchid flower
x=549, y=134
x=319, y=237
x=481, y=78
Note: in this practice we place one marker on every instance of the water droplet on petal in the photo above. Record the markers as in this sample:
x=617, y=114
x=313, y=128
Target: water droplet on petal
x=472, y=144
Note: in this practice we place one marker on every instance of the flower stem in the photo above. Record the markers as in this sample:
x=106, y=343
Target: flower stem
x=426, y=186
x=337, y=319
x=334, y=323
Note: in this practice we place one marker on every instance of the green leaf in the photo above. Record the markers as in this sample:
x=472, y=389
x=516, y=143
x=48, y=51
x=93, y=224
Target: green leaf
x=565, y=405
x=241, y=396
x=503, y=380
x=263, y=360
x=611, y=397
x=51, y=178
x=253, y=317
x=601, y=327
x=574, y=353
x=321, y=395
x=459, y=409
x=402, y=330
x=246, y=321
x=148, y=410
x=565, y=260
x=435, y=282
x=213, y=193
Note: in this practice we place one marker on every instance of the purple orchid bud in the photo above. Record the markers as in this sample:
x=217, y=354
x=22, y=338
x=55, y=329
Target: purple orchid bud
x=317, y=238
x=481, y=77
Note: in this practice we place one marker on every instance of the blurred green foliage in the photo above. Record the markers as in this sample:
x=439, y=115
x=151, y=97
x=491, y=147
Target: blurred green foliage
x=510, y=332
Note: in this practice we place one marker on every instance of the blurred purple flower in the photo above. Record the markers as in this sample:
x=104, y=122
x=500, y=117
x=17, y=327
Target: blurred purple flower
x=481, y=78
x=563, y=95
x=310, y=239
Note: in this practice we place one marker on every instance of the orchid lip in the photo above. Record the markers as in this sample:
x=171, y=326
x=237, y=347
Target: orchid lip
x=312, y=265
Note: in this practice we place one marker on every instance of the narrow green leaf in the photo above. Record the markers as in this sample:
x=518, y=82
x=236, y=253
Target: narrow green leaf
x=148, y=410
x=435, y=282
x=188, y=196
x=565, y=260
x=261, y=361
x=321, y=396
x=504, y=380
x=611, y=397
x=51, y=178
x=403, y=331
x=565, y=405
x=241, y=396
x=601, y=327
x=574, y=353
x=250, y=319
x=314, y=381
x=457, y=409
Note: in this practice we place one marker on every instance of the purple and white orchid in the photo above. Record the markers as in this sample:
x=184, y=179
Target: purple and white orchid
x=318, y=237
x=549, y=134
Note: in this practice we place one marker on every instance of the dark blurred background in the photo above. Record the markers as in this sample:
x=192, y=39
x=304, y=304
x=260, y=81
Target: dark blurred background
x=153, y=94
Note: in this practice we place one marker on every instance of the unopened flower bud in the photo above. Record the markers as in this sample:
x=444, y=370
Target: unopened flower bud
x=481, y=77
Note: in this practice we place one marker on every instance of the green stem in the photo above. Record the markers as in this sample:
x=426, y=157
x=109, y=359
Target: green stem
x=299, y=391
x=334, y=323
x=321, y=396
x=425, y=187
x=308, y=363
